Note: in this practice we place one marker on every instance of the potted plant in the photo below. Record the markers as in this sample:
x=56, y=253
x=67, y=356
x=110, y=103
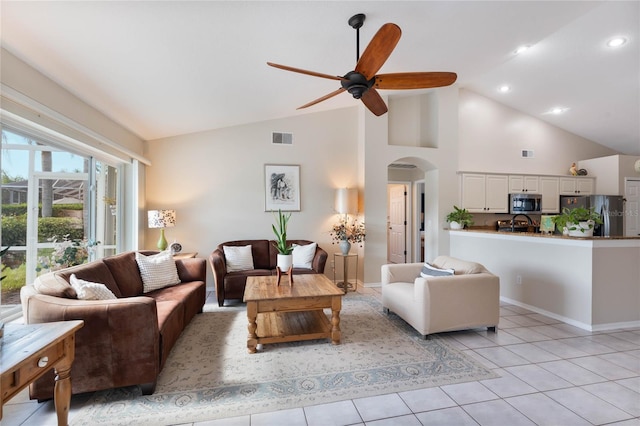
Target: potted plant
x=578, y=221
x=459, y=218
x=285, y=258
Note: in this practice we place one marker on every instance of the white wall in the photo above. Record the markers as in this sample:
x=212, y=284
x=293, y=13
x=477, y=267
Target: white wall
x=611, y=172
x=215, y=180
x=493, y=135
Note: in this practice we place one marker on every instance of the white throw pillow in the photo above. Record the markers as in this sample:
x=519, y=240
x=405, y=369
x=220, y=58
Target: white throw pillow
x=303, y=255
x=87, y=290
x=157, y=271
x=239, y=258
x=431, y=271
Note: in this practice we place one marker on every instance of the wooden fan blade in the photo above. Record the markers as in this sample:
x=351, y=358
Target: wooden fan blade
x=301, y=71
x=414, y=80
x=324, y=98
x=374, y=102
x=378, y=50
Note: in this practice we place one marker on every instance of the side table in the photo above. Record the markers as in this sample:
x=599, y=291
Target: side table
x=29, y=351
x=346, y=284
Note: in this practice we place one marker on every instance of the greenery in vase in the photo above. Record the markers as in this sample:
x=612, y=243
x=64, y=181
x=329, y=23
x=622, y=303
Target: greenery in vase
x=462, y=216
x=281, y=233
x=351, y=231
x=570, y=218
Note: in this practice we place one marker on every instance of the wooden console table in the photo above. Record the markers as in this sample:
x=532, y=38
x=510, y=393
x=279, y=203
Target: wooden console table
x=29, y=351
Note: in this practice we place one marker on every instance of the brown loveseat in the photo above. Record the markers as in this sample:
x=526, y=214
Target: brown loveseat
x=124, y=341
x=230, y=285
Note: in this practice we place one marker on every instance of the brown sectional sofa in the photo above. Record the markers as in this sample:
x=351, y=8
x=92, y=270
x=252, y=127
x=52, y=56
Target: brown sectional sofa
x=124, y=341
x=230, y=285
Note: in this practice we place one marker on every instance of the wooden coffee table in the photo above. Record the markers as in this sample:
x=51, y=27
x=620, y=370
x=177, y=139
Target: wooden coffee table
x=286, y=313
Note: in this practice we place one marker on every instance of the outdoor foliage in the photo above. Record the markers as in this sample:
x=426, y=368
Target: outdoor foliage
x=14, y=229
x=67, y=252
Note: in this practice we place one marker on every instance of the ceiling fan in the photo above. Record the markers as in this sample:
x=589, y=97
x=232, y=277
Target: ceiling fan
x=363, y=81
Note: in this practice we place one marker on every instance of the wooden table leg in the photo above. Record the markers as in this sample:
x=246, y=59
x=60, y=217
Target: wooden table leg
x=62, y=388
x=252, y=315
x=336, y=305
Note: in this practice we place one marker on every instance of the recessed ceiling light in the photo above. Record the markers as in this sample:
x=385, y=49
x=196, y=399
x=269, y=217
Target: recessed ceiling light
x=616, y=42
x=522, y=49
x=558, y=110
x=504, y=88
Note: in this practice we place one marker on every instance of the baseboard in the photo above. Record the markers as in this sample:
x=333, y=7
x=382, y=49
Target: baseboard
x=584, y=326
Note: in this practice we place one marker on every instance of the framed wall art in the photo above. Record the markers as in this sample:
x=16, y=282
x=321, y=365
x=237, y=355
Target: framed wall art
x=281, y=187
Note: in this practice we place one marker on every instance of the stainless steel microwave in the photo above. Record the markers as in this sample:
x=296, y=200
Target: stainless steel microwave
x=525, y=203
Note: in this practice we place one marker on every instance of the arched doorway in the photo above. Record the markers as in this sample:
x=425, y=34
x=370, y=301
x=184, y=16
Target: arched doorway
x=410, y=175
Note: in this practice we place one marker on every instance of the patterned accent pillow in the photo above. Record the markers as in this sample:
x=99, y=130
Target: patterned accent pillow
x=431, y=271
x=87, y=290
x=303, y=255
x=239, y=258
x=157, y=271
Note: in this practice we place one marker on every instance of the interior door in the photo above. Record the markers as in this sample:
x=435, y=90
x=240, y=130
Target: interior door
x=632, y=208
x=397, y=223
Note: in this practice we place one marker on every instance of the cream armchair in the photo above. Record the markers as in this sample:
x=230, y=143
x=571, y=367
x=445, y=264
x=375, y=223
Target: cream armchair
x=468, y=299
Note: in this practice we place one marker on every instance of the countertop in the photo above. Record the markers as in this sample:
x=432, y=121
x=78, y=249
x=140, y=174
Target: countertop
x=539, y=235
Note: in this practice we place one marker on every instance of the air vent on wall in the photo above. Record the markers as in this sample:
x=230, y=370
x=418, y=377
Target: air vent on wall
x=401, y=166
x=527, y=153
x=280, y=138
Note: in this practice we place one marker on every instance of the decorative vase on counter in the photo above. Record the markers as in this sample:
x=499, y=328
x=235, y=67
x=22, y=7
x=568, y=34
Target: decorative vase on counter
x=345, y=246
x=581, y=229
x=455, y=225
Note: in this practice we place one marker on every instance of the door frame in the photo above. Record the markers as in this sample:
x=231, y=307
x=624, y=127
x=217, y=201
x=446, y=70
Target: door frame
x=408, y=209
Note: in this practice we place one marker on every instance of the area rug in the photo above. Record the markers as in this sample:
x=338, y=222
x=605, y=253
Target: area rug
x=209, y=374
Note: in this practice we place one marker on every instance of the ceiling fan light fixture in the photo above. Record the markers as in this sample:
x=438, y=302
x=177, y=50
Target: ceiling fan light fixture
x=616, y=42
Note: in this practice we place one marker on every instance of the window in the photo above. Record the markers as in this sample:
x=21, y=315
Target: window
x=59, y=208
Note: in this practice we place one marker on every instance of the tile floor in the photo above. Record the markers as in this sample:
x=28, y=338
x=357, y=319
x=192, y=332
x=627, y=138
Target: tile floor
x=551, y=373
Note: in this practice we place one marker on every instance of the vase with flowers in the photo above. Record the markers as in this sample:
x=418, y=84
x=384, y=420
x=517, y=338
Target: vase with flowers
x=346, y=232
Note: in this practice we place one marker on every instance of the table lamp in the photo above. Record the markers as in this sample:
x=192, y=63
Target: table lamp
x=161, y=219
x=346, y=201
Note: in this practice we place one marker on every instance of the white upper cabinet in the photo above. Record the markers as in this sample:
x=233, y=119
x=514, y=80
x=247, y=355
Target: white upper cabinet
x=550, y=190
x=576, y=186
x=522, y=184
x=485, y=193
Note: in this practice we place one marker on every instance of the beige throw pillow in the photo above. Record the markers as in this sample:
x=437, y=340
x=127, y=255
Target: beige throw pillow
x=238, y=258
x=157, y=271
x=87, y=290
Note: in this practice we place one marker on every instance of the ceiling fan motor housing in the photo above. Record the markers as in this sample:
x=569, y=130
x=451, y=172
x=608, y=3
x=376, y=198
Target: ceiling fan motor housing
x=356, y=84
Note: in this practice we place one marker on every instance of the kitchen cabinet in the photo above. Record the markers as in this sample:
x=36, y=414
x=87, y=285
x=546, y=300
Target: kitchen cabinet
x=550, y=190
x=485, y=193
x=576, y=185
x=522, y=184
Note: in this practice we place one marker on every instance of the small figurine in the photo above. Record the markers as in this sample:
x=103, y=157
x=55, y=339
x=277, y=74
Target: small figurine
x=573, y=170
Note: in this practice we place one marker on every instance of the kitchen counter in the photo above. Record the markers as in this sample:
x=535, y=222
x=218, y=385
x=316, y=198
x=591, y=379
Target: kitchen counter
x=540, y=235
x=592, y=283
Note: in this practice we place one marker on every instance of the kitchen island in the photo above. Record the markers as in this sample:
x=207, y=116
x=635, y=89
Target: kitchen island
x=592, y=283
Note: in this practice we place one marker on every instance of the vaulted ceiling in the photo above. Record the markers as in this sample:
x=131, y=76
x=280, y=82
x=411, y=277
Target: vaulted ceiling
x=164, y=68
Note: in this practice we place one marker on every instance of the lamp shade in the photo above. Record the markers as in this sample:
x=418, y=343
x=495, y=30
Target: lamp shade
x=161, y=218
x=346, y=200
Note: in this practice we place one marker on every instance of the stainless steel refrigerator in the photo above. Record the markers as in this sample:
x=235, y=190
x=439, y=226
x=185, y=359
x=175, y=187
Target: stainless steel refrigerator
x=610, y=207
